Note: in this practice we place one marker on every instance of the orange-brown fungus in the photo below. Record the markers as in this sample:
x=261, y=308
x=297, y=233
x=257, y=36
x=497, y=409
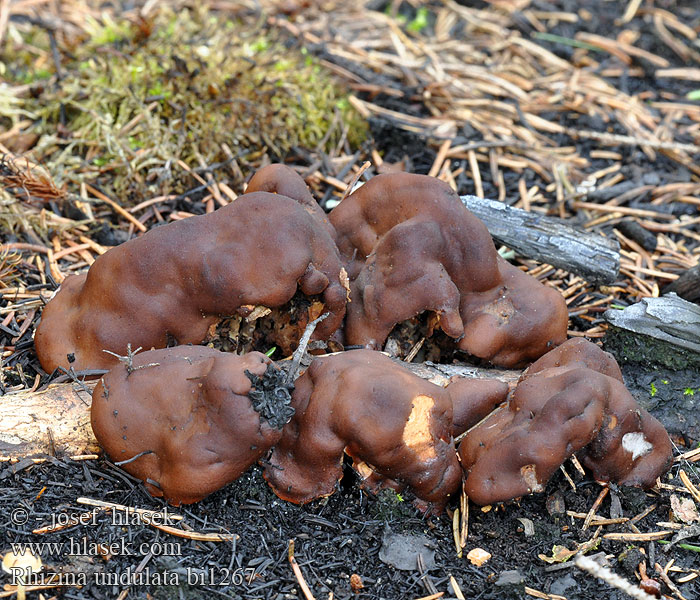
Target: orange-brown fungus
x=281, y=179
x=192, y=419
x=558, y=411
x=395, y=426
x=579, y=352
x=410, y=246
x=174, y=282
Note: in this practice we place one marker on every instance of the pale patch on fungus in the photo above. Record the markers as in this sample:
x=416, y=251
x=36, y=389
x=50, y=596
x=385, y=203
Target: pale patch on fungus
x=502, y=310
x=362, y=469
x=345, y=282
x=636, y=444
x=416, y=434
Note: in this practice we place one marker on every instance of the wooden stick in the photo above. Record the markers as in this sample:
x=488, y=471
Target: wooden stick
x=56, y=420
x=687, y=286
x=550, y=240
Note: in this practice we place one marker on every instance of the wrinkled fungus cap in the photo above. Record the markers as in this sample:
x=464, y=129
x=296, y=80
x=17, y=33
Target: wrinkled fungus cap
x=577, y=352
x=173, y=283
x=192, y=418
x=411, y=246
x=396, y=427
x=571, y=401
x=281, y=179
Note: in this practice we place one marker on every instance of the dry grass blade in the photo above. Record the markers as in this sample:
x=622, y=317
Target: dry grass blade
x=28, y=183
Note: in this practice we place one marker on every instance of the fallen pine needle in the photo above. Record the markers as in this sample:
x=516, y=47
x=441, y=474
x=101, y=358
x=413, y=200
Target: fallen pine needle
x=456, y=589
x=537, y=594
x=694, y=492
x=455, y=532
x=130, y=509
x=33, y=588
x=596, y=505
x=348, y=190
x=195, y=535
x=667, y=580
x=638, y=537
x=118, y=209
x=72, y=521
x=297, y=572
x=690, y=547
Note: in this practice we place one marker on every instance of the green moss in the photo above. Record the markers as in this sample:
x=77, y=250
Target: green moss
x=128, y=108
x=630, y=347
x=420, y=21
x=390, y=506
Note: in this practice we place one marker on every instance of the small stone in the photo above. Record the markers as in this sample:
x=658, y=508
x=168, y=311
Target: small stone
x=561, y=585
x=356, y=582
x=402, y=551
x=555, y=504
x=509, y=578
x=528, y=526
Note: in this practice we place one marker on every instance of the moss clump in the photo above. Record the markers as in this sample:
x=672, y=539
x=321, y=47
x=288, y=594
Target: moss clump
x=629, y=347
x=390, y=506
x=191, y=86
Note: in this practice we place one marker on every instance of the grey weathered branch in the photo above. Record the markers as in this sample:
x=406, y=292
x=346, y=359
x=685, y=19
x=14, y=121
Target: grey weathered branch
x=53, y=421
x=56, y=420
x=550, y=240
x=687, y=286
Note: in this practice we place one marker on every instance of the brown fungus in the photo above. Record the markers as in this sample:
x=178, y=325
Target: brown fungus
x=172, y=284
x=410, y=246
x=188, y=420
x=579, y=352
x=281, y=179
x=558, y=411
x=396, y=427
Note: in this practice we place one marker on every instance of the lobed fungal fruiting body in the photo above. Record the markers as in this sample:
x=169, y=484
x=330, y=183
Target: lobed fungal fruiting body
x=631, y=447
x=172, y=284
x=281, y=179
x=396, y=427
x=568, y=403
x=188, y=413
x=577, y=352
x=410, y=246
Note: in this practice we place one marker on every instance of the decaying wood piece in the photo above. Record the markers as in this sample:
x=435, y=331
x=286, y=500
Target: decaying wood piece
x=56, y=420
x=440, y=374
x=687, y=286
x=549, y=240
x=658, y=331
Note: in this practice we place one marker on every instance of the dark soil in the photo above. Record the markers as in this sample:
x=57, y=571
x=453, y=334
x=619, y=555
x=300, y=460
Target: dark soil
x=673, y=397
x=334, y=539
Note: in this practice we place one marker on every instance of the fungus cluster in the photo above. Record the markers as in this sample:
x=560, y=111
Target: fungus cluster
x=396, y=427
x=571, y=401
x=172, y=284
x=186, y=420
x=410, y=246
x=406, y=241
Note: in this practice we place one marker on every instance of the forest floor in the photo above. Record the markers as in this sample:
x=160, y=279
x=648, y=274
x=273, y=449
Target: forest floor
x=117, y=117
